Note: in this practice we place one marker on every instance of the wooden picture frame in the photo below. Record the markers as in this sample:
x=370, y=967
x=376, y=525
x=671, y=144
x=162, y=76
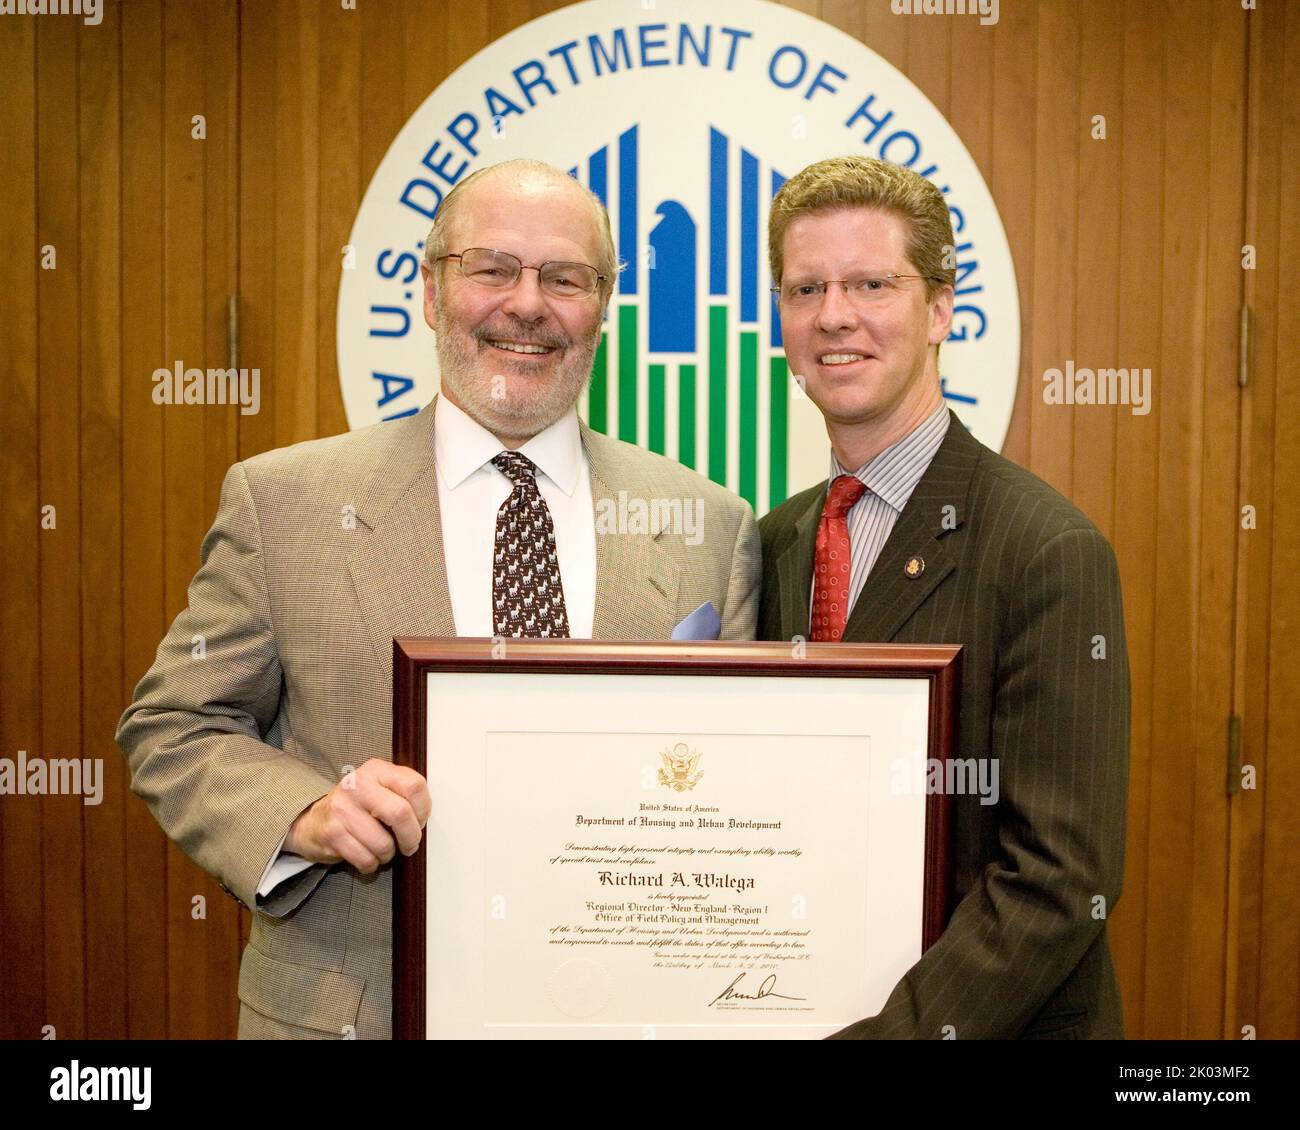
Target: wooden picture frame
x=415, y=659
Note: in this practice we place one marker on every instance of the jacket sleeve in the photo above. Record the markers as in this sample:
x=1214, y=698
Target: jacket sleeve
x=740, y=616
x=201, y=736
x=1060, y=733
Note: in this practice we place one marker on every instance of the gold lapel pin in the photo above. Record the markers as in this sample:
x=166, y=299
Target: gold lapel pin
x=915, y=567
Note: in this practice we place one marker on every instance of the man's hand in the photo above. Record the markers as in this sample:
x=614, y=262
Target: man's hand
x=365, y=818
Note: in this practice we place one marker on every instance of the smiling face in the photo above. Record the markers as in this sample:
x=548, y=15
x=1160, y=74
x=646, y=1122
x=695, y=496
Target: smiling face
x=515, y=358
x=862, y=364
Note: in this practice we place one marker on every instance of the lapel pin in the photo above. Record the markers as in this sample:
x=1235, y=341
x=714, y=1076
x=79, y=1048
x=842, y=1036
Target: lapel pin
x=915, y=567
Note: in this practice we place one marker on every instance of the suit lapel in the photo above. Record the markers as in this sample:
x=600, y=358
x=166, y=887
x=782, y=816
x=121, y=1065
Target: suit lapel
x=636, y=580
x=398, y=570
x=914, y=560
x=794, y=569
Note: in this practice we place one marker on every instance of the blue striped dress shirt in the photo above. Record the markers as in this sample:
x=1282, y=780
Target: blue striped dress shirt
x=890, y=479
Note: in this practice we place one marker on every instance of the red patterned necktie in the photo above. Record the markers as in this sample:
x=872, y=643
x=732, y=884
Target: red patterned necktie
x=831, y=566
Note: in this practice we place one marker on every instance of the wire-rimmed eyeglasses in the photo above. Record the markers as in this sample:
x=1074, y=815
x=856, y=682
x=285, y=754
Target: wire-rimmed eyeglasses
x=863, y=289
x=489, y=267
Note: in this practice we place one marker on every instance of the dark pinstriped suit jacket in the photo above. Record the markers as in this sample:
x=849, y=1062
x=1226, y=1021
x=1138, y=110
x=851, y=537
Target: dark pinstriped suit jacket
x=1020, y=578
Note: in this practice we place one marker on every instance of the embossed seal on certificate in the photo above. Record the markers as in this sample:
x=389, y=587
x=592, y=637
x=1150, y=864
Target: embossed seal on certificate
x=679, y=772
x=579, y=988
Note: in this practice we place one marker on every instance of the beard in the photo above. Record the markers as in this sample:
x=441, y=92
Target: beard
x=515, y=401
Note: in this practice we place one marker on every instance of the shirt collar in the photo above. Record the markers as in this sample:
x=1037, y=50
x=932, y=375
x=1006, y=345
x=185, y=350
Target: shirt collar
x=462, y=445
x=894, y=473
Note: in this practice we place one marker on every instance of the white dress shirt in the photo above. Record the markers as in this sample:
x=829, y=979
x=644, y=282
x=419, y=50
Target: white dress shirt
x=470, y=492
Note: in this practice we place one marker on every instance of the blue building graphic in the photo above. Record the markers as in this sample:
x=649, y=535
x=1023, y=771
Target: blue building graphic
x=692, y=339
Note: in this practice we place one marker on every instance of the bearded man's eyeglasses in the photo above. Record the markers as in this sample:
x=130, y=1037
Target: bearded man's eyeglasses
x=489, y=267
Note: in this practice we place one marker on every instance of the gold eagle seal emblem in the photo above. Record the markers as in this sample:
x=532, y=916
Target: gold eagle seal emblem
x=679, y=768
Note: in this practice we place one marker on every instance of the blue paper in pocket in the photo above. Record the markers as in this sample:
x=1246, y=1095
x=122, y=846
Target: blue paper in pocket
x=702, y=624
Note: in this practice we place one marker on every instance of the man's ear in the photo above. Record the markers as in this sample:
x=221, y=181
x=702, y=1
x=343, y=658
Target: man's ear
x=941, y=303
x=430, y=278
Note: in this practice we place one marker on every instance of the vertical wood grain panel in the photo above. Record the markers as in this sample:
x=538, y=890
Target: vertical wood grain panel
x=22, y=877
x=1279, y=900
x=259, y=173
x=340, y=187
x=929, y=50
x=382, y=74
x=220, y=233
x=971, y=80
x=506, y=15
x=1100, y=281
x=291, y=376
x=1141, y=322
x=885, y=33
x=1250, y=683
x=1098, y=209
x=467, y=33
x=99, y=166
x=143, y=595
x=847, y=15
x=59, y=308
x=1224, y=139
x=1050, y=335
x=1178, y=409
x=542, y=7
x=1253, y=597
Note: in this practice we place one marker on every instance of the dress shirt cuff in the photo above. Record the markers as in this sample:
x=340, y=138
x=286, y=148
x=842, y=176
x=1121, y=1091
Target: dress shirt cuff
x=284, y=865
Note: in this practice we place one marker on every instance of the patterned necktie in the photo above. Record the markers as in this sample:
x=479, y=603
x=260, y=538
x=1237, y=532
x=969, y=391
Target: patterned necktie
x=527, y=597
x=831, y=566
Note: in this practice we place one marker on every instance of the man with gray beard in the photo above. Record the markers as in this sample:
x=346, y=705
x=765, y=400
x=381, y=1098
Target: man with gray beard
x=478, y=516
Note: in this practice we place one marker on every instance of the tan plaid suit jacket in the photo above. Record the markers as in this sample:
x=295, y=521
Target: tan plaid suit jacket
x=297, y=613
x=1026, y=584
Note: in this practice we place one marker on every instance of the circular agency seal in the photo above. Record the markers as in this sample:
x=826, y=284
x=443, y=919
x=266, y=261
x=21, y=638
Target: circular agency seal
x=685, y=120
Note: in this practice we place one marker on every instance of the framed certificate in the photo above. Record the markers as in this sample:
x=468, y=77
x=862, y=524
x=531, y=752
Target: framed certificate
x=682, y=840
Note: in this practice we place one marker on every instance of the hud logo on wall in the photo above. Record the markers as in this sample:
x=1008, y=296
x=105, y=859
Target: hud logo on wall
x=685, y=120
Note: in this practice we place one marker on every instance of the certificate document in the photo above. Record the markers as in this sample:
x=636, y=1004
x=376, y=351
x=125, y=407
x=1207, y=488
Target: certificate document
x=614, y=854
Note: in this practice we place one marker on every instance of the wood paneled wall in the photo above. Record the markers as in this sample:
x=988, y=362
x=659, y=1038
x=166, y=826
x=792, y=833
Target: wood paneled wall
x=1129, y=253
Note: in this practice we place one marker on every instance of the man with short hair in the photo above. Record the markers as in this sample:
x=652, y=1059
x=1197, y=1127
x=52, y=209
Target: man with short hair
x=475, y=517
x=924, y=535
